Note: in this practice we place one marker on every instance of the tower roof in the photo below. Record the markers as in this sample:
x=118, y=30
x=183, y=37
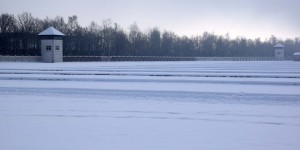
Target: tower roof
x=296, y=54
x=279, y=45
x=51, y=31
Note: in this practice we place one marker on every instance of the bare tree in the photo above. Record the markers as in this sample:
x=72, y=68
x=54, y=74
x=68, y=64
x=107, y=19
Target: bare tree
x=7, y=23
x=18, y=36
x=26, y=23
x=72, y=24
x=154, y=41
x=168, y=42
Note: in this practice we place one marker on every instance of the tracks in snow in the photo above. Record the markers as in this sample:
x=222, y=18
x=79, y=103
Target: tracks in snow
x=155, y=75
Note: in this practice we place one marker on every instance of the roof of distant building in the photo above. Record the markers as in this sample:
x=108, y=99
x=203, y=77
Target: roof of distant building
x=297, y=54
x=279, y=45
x=51, y=31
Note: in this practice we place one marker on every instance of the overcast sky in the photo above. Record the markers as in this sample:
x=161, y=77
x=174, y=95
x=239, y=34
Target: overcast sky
x=248, y=18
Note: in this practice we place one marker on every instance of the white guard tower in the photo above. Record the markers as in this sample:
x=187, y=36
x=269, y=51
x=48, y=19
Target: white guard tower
x=279, y=51
x=51, y=45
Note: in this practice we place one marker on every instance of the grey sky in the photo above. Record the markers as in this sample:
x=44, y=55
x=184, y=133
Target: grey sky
x=250, y=18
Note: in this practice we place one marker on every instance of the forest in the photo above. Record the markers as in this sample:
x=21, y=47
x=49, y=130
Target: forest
x=19, y=37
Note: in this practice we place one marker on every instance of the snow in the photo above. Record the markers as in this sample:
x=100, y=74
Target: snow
x=51, y=31
x=150, y=105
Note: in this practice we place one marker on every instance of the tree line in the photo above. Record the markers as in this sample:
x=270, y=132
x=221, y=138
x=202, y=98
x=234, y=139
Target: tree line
x=18, y=36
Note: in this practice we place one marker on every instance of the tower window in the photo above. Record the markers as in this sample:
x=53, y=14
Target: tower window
x=57, y=48
x=48, y=48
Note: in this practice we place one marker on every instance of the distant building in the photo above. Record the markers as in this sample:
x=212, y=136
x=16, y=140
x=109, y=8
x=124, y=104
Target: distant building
x=51, y=45
x=279, y=51
x=296, y=56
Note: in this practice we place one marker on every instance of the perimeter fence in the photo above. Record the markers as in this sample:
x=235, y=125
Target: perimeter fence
x=139, y=58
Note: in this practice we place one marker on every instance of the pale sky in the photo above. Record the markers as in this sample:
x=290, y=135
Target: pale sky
x=248, y=18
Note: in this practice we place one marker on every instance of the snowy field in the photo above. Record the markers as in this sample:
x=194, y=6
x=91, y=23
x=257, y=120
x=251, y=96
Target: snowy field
x=150, y=106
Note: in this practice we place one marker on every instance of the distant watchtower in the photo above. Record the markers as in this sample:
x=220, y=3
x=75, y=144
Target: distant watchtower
x=279, y=51
x=51, y=45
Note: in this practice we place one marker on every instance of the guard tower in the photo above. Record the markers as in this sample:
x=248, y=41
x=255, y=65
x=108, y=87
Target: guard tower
x=279, y=51
x=51, y=45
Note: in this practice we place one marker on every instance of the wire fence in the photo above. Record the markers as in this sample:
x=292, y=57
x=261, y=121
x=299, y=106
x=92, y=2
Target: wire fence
x=139, y=58
x=20, y=58
x=169, y=58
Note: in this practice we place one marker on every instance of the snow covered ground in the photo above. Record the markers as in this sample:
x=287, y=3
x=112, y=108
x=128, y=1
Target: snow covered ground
x=150, y=106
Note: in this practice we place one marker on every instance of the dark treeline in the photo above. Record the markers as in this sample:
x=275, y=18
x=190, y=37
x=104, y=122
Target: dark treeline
x=18, y=36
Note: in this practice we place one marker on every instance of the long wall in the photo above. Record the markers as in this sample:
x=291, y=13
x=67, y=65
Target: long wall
x=21, y=58
x=138, y=58
x=167, y=58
